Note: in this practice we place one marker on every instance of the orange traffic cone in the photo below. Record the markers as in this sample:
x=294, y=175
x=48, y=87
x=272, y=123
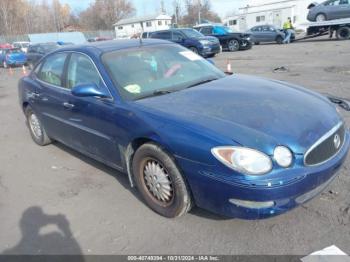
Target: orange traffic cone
x=229, y=68
x=24, y=70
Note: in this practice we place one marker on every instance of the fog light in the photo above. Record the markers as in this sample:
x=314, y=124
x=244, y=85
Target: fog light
x=283, y=156
x=252, y=204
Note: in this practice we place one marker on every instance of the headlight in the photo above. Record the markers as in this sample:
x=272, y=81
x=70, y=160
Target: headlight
x=244, y=160
x=283, y=156
x=204, y=42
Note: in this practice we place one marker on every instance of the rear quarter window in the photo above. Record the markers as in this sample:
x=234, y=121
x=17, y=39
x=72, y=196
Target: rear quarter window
x=52, y=69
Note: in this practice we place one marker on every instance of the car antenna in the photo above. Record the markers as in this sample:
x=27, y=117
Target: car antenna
x=140, y=39
x=142, y=30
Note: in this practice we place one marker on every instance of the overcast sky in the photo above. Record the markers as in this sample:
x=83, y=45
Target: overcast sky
x=222, y=7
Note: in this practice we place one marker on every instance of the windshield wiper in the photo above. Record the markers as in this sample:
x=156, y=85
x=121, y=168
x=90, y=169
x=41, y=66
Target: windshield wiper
x=157, y=93
x=202, y=82
x=342, y=102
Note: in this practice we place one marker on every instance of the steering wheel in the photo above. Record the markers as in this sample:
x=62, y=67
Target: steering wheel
x=172, y=70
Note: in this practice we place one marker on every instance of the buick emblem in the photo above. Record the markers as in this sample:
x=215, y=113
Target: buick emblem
x=336, y=141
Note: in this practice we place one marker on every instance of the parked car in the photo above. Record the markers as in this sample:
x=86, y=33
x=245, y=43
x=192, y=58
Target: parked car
x=12, y=57
x=329, y=10
x=37, y=51
x=229, y=40
x=184, y=132
x=6, y=46
x=268, y=33
x=146, y=34
x=205, y=46
x=22, y=45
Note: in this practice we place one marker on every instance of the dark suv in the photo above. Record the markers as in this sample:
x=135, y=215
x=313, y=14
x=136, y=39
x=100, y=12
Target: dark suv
x=205, y=46
x=37, y=51
x=229, y=40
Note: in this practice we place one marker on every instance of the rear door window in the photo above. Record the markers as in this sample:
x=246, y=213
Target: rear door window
x=166, y=35
x=52, y=70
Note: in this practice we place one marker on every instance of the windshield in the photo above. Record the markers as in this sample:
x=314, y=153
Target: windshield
x=191, y=33
x=154, y=70
x=222, y=30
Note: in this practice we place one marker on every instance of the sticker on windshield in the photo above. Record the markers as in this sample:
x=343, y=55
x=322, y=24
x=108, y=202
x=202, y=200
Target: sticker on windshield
x=191, y=56
x=133, y=89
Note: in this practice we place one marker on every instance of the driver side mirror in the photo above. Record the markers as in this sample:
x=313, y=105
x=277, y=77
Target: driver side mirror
x=89, y=90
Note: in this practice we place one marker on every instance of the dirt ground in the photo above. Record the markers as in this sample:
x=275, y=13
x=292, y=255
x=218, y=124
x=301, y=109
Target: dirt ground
x=56, y=201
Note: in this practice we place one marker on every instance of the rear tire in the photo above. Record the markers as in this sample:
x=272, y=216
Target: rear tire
x=160, y=182
x=321, y=18
x=343, y=33
x=36, y=129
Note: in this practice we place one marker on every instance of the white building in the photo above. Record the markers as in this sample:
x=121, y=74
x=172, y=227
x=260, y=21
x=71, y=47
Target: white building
x=129, y=27
x=274, y=12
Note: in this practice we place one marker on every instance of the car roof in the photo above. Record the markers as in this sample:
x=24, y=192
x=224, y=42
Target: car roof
x=114, y=45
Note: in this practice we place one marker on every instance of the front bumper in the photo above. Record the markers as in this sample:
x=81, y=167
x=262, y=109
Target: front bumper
x=210, y=50
x=213, y=189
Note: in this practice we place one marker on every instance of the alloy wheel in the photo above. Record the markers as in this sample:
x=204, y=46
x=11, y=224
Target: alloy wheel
x=233, y=45
x=320, y=18
x=35, y=127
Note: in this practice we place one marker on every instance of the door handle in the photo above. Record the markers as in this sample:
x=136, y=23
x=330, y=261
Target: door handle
x=68, y=105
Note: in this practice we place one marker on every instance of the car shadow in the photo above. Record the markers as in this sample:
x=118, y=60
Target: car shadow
x=36, y=240
x=124, y=180
x=121, y=177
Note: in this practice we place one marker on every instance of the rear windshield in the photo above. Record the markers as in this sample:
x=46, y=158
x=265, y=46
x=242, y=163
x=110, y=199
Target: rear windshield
x=49, y=48
x=14, y=51
x=191, y=33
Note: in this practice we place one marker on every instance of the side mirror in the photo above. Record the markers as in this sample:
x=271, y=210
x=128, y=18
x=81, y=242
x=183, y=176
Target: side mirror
x=88, y=90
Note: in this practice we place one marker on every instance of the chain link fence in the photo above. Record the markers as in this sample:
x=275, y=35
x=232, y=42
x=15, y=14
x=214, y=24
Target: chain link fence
x=87, y=34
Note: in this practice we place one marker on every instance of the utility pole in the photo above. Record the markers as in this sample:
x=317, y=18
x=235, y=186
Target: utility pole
x=162, y=7
x=199, y=11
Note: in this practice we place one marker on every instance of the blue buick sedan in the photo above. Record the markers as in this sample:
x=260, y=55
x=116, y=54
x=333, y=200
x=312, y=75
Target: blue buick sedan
x=184, y=132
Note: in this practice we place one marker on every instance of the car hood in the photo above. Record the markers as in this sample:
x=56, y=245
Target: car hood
x=209, y=38
x=239, y=34
x=251, y=111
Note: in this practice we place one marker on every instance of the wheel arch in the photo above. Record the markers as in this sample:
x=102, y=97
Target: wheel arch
x=132, y=147
x=25, y=104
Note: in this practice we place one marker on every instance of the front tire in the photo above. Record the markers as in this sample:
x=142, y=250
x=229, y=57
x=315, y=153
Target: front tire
x=321, y=18
x=194, y=50
x=160, y=182
x=233, y=45
x=279, y=40
x=36, y=129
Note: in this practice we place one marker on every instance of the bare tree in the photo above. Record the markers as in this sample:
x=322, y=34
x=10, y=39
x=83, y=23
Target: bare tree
x=198, y=11
x=102, y=14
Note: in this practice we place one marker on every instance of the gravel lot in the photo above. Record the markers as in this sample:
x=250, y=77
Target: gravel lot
x=56, y=201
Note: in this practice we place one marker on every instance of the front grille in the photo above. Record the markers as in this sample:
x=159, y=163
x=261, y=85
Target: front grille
x=326, y=147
